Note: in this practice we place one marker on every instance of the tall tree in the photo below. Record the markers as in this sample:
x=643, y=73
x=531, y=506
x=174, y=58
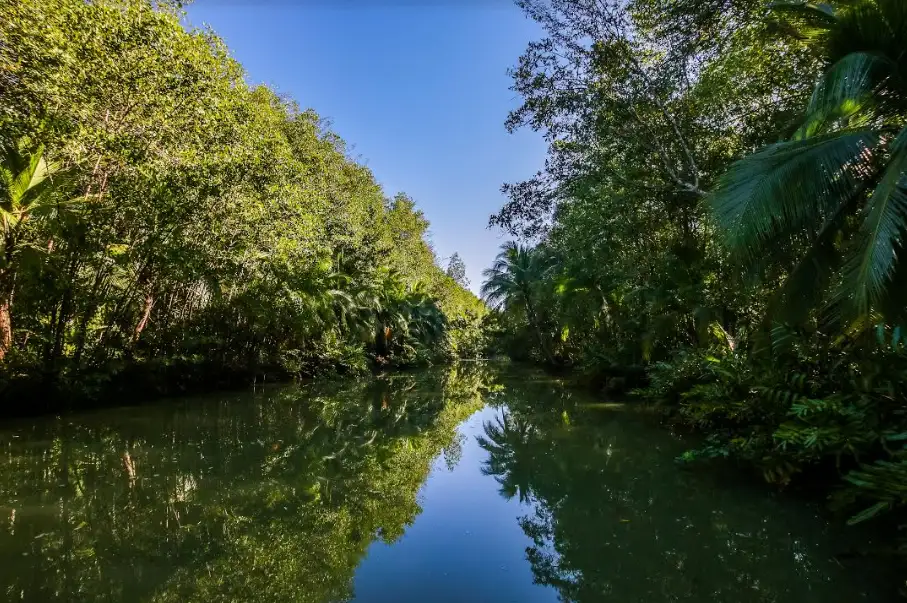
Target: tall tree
x=637, y=95
x=513, y=282
x=224, y=224
x=456, y=269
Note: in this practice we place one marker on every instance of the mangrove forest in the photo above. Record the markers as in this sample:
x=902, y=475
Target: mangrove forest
x=235, y=365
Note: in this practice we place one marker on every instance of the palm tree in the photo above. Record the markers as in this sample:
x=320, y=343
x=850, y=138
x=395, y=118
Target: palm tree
x=425, y=320
x=838, y=189
x=509, y=443
x=512, y=283
x=396, y=312
x=26, y=189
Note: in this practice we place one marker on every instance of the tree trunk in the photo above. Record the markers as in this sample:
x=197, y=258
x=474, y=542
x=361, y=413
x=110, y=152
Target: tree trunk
x=87, y=315
x=6, y=328
x=143, y=322
x=7, y=286
x=58, y=328
x=381, y=340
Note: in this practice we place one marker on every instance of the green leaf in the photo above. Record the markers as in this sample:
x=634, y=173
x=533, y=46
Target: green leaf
x=820, y=10
x=868, y=513
x=883, y=229
x=812, y=18
x=789, y=186
x=845, y=90
x=30, y=177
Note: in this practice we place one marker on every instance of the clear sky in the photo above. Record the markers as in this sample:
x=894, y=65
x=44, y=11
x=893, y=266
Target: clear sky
x=417, y=88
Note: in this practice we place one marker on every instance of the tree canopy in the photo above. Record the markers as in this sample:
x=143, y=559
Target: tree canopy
x=721, y=218
x=162, y=216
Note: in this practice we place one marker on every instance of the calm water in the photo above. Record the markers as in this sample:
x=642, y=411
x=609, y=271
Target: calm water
x=468, y=485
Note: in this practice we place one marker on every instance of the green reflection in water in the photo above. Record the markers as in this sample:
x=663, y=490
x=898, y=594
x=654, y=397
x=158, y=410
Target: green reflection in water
x=281, y=495
x=613, y=518
x=227, y=498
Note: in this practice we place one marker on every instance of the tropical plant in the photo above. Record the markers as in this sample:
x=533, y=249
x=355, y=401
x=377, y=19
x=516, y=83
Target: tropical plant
x=29, y=187
x=513, y=282
x=846, y=163
x=738, y=279
x=229, y=232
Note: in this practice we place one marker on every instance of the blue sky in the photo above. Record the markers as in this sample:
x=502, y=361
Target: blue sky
x=418, y=90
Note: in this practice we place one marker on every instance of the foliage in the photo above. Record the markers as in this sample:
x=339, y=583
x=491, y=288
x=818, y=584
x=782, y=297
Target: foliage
x=845, y=164
x=722, y=210
x=512, y=284
x=215, y=220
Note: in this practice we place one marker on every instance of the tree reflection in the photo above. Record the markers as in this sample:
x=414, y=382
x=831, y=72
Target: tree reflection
x=509, y=443
x=612, y=518
x=270, y=499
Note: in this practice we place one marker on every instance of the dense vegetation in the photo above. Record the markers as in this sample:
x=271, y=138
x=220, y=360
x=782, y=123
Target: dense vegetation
x=166, y=223
x=720, y=223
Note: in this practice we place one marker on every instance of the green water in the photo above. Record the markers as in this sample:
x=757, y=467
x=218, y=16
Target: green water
x=473, y=484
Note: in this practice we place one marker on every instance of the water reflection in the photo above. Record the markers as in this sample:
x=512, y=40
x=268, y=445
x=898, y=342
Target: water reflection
x=281, y=495
x=612, y=518
x=274, y=499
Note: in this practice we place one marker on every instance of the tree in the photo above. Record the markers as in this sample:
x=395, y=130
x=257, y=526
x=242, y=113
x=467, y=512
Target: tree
x=847, y=162
x=651, y=107
x=512, y=284
x=456, y=269
x=225, y=227
x=27, y=189
x=644, y=96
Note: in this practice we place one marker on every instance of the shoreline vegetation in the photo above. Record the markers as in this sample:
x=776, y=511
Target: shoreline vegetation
x=719, y=230
x=167, y=226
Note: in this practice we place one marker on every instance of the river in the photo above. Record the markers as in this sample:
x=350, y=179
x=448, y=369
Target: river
x=471, y=484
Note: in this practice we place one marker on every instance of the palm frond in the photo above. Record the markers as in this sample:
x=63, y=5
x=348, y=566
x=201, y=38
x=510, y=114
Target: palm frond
x=868, y=273
x=821, y=12
x=33, y=174
x=847, y=89
x=875, y=25
x=807, y=283
x=787, y=186
x=805, y=20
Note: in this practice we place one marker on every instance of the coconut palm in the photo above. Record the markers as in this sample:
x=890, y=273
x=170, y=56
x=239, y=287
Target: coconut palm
x=837, y=191
x=397, y=312
x=512, y=284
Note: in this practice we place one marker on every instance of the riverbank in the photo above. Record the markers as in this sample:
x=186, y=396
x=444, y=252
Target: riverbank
x=169, y=226
x=25, y=396
x=142, y=382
